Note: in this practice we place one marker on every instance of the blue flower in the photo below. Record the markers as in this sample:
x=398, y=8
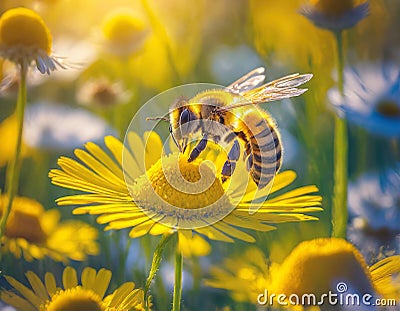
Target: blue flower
x=334, y=15
x=371, y=98
x=374, y=206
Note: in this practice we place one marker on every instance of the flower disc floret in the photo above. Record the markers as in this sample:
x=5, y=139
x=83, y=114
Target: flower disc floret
x=181, y=184
x=76, y=298
x=22, y=28
x=317, y=265
x=25, y=223
x=333, y=7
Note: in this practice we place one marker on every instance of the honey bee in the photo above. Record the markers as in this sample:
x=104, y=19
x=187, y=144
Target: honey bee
x=235, y=107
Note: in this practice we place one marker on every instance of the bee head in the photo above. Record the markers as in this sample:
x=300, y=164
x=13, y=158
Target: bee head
x=181, y=113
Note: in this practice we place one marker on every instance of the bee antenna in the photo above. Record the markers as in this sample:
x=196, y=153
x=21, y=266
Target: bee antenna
x=157, y=118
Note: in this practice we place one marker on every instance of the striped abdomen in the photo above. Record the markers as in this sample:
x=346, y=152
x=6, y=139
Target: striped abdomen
x=263, y=146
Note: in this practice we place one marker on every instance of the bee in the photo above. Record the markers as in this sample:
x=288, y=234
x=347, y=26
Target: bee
x=235, y=108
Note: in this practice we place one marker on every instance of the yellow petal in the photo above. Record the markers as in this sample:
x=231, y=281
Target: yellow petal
x=16, y=301
x=103, y=279
x=25, y=291
x=154, y=148
x=69, y=278
x=137, y=148
x=121, y=293
x=50, y=283
x=37, y=285
x=88, y=277
x=104, y=158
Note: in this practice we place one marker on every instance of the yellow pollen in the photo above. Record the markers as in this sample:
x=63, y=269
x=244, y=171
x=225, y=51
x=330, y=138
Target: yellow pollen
x=388, y=109
x=180, y=183
x=23, y=28
x=123, y=27
x=24, y=220
x=333, y=7
x=316, y=266
x=74, y=299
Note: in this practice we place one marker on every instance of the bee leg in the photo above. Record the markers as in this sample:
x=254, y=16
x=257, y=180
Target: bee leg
x=184, y=120
x=198, y=149
x=174, y=139
x=230, y=163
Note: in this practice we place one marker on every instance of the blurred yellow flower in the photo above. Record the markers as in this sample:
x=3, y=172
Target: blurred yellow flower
x=124, y=32
x=245, y=276
x=313, y=267
x=192, y=246
x=35, y=233
x=8, y=134
x=24, y=38
x=88, y=294
x=101, y=177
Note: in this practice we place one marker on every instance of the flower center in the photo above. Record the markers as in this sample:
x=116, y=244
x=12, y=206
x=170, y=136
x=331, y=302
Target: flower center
x=183, y=184
x=74, y=299
x=317, y=266
x=388, y=108
x=24, y=220
x=333, y=7
x=122, y=28
x=23, y=28
x=104, y=95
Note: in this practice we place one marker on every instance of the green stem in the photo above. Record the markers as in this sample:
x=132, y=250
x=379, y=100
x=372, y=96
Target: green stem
x=340, y=48
x=176, y=302
x=339, y=204
x=155, y=264
x=14, y=166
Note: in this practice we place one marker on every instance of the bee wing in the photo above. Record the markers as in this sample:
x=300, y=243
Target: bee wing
x=247, y=82
x=281, y=88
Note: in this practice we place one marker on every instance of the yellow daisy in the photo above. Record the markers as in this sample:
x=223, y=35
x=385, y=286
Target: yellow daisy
x=25, y=38
x=88, y=295
x=35, y=233
x=313, y=267
x=149, y=203
x=124, y=32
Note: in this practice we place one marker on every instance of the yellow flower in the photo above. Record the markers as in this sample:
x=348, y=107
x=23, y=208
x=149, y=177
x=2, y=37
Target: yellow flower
x=124, y=32
x=194, y=246
x=88, y=295
x=333, y=14
x=8, y=134
x=314, y=267
x=24, y=38
x=35, y=233
x=245, y=276
x=157, y=207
